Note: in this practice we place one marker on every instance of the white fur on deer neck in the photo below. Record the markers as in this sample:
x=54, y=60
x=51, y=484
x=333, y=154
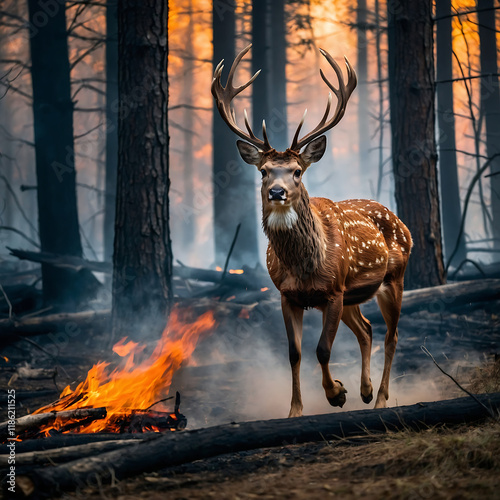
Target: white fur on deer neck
x=301, y=248
x=282, y=218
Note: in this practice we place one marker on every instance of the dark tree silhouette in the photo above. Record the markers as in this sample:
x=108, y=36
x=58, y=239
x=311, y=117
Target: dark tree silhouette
x=278, y=130
x=142, y=250
x=260, y=61
x=54, y=153
x=111, y=125
x=411, y=82
x=234, y=183
x=448, y=171
x=490, y=103
x=187, y=98
x=363, y=103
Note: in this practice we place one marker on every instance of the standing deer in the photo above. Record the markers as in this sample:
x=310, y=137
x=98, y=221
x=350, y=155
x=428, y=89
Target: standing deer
x=329, y=255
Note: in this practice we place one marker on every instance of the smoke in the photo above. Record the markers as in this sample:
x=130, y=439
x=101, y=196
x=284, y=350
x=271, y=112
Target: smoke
x=241, y=377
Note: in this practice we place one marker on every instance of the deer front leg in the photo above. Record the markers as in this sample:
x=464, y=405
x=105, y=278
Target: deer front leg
x=293, y=316
x=334, y=389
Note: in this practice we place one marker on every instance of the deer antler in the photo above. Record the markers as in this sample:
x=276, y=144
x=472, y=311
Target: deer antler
x=224, y=96
x=343, y=93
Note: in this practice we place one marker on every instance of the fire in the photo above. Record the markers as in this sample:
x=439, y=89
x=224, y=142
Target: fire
x=133, y=386
x=231, y=271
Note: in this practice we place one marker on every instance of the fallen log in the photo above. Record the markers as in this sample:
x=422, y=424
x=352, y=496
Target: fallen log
x=178, y=448
x=251, y=279
x=53, y=322
x=66, y=454
x=24, y=395
x=65, y=440
x=32, y=422
x=63, y=261
x=441, y=298
x=27, y=372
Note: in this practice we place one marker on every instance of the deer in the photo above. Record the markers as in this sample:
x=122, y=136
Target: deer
x=332, y=256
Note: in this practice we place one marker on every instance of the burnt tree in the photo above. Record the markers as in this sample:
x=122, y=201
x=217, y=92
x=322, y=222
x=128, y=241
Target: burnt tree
x=260, y=61
x=277, y=125
x=142, y=249
x=111, y=125
x=448, y=171
x=363, y=101
x=234, y=191
x=411, y=86
x=54, y=152
x=490, y=103
x=188, y=234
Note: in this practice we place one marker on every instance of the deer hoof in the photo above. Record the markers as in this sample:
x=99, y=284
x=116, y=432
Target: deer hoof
x=367, y=399
x=340, y=398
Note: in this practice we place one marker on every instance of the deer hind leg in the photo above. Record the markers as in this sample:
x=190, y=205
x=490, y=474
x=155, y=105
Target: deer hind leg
x=361, y=327
x=293, y=317
x=389, y=299
x=334, y=389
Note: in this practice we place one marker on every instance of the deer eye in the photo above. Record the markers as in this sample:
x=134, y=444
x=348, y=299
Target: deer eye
x=264, y=173
x=297, y=173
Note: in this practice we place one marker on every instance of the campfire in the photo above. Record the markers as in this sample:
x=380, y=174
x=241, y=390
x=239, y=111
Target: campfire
x=122, y=399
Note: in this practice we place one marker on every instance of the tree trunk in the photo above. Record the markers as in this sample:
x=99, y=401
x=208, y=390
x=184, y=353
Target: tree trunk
x=448, y=171
x=363, y=104
x=142, y=251
x=490, y=103
x=411, y=84
x=189, y=219
x=260, y=61
x=111, y=125
x=278, y=122
x=233, y=183
x=54, y=151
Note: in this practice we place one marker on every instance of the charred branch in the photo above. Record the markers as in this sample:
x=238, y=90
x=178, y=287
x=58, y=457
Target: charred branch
x=34, y=422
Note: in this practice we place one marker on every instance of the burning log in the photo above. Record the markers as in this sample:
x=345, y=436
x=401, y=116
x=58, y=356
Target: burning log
x=31, y=424
x=178, y=448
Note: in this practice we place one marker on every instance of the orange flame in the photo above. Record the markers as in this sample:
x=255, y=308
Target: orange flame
x=133, y=386
x=231, y=271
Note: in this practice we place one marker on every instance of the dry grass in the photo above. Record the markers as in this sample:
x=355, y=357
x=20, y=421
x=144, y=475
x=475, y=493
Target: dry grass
x=486, y=378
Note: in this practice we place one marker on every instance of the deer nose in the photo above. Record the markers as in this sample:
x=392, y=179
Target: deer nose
x=277, y=194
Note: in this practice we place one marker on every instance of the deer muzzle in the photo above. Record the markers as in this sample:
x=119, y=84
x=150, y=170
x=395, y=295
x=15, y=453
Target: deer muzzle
x=277, y=194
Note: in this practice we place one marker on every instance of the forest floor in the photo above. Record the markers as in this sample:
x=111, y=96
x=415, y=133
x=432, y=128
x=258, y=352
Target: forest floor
x=454, y=463
x=439, y=463
x=459, y=463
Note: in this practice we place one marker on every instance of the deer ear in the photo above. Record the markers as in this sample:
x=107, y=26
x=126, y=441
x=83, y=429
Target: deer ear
x=249, y=153
x=314, y=150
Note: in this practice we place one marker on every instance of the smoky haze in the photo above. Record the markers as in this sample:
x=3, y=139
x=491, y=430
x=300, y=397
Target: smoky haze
x=242, y=372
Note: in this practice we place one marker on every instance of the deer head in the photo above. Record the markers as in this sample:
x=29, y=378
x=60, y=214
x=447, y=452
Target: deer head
x=282, y=172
